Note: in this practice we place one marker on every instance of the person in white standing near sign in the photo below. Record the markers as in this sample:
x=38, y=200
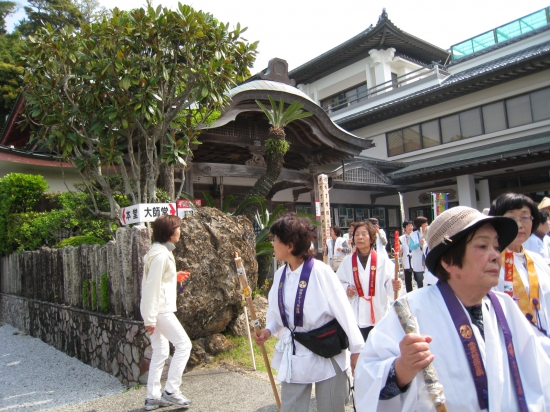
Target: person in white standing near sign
x=158, y=304
x=368, y=279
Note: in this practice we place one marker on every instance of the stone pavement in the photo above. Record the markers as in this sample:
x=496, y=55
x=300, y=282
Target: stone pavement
x=211, y=390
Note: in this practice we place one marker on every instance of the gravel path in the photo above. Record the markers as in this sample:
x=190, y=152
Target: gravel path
x=35, y=375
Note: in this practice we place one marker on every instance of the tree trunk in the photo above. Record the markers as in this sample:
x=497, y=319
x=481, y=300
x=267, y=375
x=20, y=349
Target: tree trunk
x=265, y=183
x=166, y=180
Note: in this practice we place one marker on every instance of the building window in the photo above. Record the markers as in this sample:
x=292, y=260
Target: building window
x=490, y=118
x=394, y=80
x=395, y=143
x=430, y=134
x=540, y=103
x=450, y=128
x=346, y=98
x=494, y=117
x=518, y=110
x=470, y=123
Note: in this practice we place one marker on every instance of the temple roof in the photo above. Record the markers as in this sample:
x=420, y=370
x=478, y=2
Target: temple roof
x=382, y=36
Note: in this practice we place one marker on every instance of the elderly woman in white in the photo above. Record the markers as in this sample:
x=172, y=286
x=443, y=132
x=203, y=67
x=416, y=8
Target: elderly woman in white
x=484, y=351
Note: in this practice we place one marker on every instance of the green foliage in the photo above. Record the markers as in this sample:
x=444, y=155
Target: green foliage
x=57, y=13
x=279, y=117
x=18, y=194
x=85, y=296
x=94, y=295
x=104, y=293
x=6, y=8
x=80, y=240
x=274, y=147
x=138, y=82
x=10, y=79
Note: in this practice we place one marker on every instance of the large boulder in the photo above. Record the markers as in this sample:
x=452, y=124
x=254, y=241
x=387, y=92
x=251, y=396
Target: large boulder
x=211, y=297
x=239, y=325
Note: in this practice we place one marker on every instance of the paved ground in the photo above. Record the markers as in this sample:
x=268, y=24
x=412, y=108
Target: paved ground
x=211, y=390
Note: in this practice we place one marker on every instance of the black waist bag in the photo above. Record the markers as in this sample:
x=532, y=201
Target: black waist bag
x=327, y=341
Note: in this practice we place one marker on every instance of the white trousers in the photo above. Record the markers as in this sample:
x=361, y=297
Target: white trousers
x=168, y=328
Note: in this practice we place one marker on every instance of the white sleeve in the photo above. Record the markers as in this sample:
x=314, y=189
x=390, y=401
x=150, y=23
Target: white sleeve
x=272, y=317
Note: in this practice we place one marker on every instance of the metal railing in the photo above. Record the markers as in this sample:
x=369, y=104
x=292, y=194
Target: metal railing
x=400, y=81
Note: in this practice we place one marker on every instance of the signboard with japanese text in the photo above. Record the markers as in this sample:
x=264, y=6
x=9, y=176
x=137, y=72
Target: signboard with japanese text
x=146, y=212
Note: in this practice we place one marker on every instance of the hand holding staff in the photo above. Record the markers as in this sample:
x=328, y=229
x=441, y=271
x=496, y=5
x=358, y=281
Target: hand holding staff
x=255, y=322
x=409, y=325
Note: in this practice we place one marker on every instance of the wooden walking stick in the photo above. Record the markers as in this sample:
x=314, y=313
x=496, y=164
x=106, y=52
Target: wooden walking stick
x=247, y=292
x=396, y=256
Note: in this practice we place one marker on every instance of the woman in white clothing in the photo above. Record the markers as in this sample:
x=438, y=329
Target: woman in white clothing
x=336, y=248
x=484, y=352
x=368, y=279
x=524, y=276
x=306, y=296
x=158, y=304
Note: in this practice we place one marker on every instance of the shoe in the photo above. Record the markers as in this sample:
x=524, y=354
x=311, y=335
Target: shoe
x=176, y=399
x=152, y=404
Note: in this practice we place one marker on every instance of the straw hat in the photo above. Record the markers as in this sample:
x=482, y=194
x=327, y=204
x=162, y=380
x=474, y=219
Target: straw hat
x=545, y=203
x=455, y=223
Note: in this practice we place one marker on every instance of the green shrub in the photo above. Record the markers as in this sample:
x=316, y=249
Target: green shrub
x=104, y=293
x=94, y=295
x=80, y=240
x=18, y=194
x=31, y=230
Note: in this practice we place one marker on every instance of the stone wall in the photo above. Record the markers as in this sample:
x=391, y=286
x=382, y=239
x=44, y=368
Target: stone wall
x=112, y=344
x=58, y=275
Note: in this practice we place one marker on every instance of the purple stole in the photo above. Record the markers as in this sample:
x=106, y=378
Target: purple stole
x=300, y=294
x=471, y=349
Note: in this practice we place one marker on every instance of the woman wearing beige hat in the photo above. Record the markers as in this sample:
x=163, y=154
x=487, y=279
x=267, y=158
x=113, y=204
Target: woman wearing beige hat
x=485, y=352
x=524, y=275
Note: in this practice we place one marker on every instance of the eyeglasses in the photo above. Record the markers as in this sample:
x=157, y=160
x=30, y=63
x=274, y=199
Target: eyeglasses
x=523, y=220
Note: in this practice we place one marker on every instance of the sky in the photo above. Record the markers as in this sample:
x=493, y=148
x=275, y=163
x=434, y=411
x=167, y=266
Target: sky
x=300, y=30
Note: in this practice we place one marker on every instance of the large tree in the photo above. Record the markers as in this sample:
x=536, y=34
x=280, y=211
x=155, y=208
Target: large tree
x=57, y=13
x=130, y=92
x=6, y=8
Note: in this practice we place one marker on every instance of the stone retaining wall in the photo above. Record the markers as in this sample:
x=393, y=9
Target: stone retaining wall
x=59, y=275
x=110, y=343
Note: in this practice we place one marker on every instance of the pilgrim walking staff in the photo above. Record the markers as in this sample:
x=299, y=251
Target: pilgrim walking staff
x=409, y=325
x=255, y=322
x=396, y=255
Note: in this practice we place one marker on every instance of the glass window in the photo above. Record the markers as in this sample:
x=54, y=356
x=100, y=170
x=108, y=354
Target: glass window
x=470, y=123
x=411, y=138
x=540, y=102
x=519, y=111
x=450, y=128
x=395, y=143
x=494, y=117
x=430, y=134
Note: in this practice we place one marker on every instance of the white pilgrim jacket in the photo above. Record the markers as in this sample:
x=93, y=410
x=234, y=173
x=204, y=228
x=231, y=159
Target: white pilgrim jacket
x=383, y=292
x=159, y=283
x=416, y=255
x=543, y=274
x=429, y=308
x=324, y=301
